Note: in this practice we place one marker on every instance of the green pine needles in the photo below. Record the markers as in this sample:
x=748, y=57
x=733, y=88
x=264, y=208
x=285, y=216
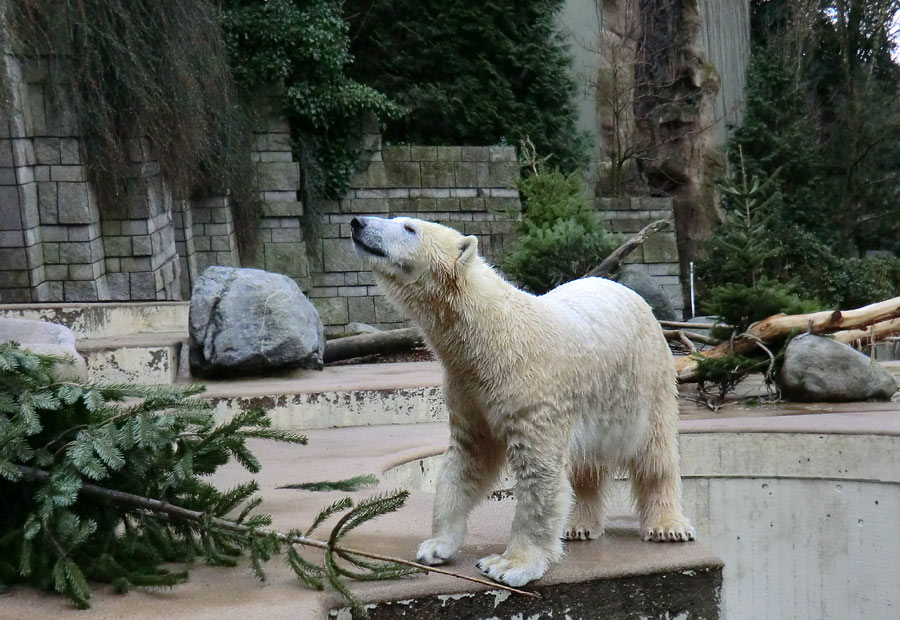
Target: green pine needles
x=106, y=482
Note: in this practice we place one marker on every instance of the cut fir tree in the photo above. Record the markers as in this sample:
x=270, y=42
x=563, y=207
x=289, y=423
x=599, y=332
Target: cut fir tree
x=106, y=482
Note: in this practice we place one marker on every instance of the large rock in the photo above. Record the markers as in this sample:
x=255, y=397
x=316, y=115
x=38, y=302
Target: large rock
x=822, y=369
x=247, y=321
x=48, y=338
x=638, y=280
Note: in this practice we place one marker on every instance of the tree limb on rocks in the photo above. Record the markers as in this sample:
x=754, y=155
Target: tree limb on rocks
x=781, y=325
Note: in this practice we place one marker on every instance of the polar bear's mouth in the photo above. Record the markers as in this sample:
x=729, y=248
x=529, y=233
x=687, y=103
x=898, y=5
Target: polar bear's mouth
x=368, y=248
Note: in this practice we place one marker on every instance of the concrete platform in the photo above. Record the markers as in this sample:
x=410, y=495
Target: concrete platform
x=618, y=575
x=107, y=320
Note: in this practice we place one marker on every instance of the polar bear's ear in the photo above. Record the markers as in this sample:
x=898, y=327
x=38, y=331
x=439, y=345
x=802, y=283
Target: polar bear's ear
x=468, y=247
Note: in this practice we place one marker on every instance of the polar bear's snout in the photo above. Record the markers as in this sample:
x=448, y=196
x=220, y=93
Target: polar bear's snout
x=366, y=236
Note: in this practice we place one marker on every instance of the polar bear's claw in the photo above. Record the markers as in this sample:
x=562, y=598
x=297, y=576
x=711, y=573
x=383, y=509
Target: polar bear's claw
x=583, y=533
x=670, y=532
x=435, y=551
x=515, y=573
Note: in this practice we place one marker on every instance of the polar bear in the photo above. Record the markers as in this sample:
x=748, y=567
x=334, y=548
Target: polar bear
x=567, y=387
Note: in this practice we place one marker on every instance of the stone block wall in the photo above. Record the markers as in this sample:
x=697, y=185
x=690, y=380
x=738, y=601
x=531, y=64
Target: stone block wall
x=470, y=189
x=658, y=255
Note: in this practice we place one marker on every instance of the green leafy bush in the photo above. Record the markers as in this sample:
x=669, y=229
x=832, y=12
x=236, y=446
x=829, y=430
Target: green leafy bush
x=305, y=46
x=475, y=72
x=855, y=282
x=562, y=235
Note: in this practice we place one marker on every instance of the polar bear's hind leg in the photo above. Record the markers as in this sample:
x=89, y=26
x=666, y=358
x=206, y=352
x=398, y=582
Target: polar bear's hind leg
x=586, y=520
x=657, y=484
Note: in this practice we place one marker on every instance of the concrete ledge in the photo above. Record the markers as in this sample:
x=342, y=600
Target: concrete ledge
x=107, y=320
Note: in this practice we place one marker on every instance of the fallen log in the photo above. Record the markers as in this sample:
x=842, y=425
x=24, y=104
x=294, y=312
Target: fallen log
x=393, y=341
x=781, y=325
x=677, y=334
x=874, y=332
x=609, y=264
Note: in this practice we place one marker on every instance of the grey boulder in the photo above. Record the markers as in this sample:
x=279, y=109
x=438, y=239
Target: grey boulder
x=822, y=369
x=639, y=281
x=48, y=338
x=248, y=321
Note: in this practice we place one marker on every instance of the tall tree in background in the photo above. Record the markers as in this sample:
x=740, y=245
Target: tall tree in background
x=473, y=72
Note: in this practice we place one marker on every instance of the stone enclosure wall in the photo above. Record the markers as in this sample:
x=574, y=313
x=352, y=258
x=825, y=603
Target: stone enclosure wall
x=57, y=245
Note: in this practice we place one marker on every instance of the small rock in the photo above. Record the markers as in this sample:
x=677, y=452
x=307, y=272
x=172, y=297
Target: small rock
x=822, y=369
x=48, y=338
x=247, y=321
x=639, y=281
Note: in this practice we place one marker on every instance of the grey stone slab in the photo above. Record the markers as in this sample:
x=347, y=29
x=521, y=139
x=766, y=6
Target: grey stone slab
x=135, y=227
x=12, y=239
x=80, y=291
x=361, y=309
x=81, y=272
x=46, y=150
x=449, y=153
x=117, y=246
x=14, y=279
x=118, y=286
x=74, y=203
x=75, y=252
x=332, y=310
x=141, y=246
x=340, y=255
x=70, y=151
x=143, y=285
x=13, y=258
x=56, y=272
x=438, y=174
x=395, y=153
x=423, y=153
x=385, y=312
x=10, y=216
x=279, y=176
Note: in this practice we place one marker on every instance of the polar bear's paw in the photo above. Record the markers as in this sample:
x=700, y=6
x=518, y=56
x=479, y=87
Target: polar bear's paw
x=672, y=529
x=512, y=570
x=436, y=550
x=584, y=524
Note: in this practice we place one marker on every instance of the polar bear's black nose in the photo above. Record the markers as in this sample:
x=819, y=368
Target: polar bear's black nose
x=356, y=224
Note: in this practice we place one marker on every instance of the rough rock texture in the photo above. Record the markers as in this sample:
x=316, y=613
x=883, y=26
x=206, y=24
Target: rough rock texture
x=247, y=321
x=46, y=337
x=635, y=278
x=820, y=369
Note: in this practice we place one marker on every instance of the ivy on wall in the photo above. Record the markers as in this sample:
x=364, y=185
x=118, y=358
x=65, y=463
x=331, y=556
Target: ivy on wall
x=304, y=45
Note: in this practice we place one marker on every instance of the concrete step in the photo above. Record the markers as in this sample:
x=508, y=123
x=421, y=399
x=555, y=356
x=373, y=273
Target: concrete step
x=146, y=359
x=360, y=395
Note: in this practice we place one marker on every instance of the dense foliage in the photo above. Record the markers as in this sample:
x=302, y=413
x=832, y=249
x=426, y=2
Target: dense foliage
x=305, y=46
x=83, y=468
x=472, y=72
x=562, y=235
x=822, y=128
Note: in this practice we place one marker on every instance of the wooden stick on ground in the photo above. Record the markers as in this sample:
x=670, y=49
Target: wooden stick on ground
x=156, y=505
x=612, y=262
x=392, y=341
x=780, y=325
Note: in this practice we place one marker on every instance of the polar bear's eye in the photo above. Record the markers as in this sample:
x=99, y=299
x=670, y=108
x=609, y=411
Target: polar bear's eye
x=409, y=229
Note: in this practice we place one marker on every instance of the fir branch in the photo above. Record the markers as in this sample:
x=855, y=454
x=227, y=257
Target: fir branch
x=162, y=506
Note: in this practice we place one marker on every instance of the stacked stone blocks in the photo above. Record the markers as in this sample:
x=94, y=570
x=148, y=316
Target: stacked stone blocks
x=471, y=189
x=658, y=255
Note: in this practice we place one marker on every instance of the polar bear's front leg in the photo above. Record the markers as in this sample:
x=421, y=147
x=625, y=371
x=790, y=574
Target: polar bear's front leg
x=544, y=497
x=468, y=470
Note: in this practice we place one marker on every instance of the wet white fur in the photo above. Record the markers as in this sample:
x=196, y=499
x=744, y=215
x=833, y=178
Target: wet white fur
x=568, y=387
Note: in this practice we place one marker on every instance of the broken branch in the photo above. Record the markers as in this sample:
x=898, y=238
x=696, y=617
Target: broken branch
x=611, y=263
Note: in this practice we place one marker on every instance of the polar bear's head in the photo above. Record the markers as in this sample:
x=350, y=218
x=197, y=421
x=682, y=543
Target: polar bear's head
x=405, y=251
